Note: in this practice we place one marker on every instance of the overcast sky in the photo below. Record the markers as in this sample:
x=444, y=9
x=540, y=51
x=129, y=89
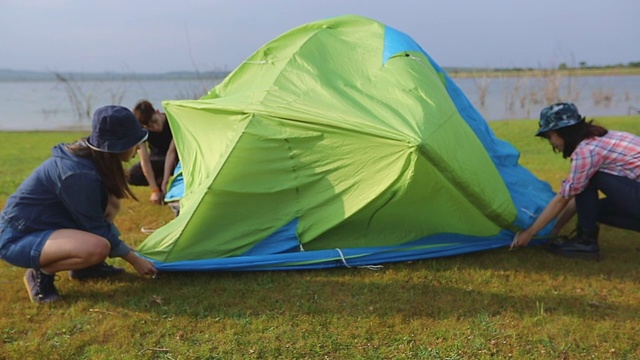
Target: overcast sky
x=161, y=36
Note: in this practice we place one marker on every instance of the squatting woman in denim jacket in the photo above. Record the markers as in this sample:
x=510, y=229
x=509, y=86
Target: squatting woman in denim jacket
x=61, y=216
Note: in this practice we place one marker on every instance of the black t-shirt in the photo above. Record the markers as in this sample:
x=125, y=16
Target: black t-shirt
x=159, y=142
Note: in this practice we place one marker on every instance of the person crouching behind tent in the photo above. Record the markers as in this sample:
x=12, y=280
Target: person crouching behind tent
x=60, y=218
x=153, y=153
x=601, y=160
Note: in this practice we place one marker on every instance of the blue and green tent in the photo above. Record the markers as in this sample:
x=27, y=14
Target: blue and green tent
x=339, y=143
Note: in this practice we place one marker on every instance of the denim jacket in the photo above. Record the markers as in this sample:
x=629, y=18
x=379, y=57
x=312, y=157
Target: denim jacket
x=64, y=192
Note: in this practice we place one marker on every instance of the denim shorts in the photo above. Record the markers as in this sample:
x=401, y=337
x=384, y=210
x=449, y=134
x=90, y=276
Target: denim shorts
x=22, y=248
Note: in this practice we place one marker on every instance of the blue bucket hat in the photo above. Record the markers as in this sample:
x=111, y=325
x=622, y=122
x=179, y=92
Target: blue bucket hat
x=115, y=129
x=557, y=116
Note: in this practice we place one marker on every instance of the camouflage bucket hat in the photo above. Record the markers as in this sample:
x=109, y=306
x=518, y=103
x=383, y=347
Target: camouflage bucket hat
x=557, y=116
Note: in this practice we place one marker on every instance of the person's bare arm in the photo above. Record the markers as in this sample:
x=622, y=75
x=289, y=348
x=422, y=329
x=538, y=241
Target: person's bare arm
x=565, y=216
x=142, y=265
x=555, y=206
x=145, y=163
x=169, y=165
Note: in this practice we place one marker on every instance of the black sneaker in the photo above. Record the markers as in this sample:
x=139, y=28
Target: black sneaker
x=588, y=251
x=100, y=271
x=583, y=245
x=40, y=287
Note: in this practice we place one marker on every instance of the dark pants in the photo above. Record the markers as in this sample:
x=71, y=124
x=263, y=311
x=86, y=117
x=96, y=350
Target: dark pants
x=620, y=208
x=136, y=176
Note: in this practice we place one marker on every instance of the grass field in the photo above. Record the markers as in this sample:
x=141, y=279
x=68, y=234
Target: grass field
x=522, y=304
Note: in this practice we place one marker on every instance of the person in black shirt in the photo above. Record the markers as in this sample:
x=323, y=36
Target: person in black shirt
x=150, y=170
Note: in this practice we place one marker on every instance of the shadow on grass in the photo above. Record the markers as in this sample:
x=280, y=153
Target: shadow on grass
x=434, y=289
x=619, y=249
x=527, y=282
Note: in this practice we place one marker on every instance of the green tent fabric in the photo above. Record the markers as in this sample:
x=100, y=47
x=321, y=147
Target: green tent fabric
x=340, y=136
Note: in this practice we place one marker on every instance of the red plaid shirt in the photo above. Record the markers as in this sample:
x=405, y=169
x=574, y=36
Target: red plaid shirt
x=616, y=153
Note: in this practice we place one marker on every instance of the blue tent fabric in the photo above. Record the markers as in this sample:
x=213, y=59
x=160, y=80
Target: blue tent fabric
x=430, y=247
x=176, y=185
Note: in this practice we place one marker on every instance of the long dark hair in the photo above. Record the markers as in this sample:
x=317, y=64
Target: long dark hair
x=109, y=166
x=574, y=134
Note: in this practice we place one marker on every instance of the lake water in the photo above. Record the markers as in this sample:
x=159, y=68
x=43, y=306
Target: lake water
x=47, y=105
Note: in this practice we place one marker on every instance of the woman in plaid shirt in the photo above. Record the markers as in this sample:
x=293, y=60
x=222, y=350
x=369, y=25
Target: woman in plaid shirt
x=601, y=160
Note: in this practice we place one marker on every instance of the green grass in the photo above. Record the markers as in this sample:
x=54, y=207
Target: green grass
x=523, y=304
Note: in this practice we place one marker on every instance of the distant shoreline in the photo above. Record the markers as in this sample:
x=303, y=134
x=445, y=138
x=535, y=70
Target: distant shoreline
x=614, y=71
x=7, y=75
x=19, y=75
